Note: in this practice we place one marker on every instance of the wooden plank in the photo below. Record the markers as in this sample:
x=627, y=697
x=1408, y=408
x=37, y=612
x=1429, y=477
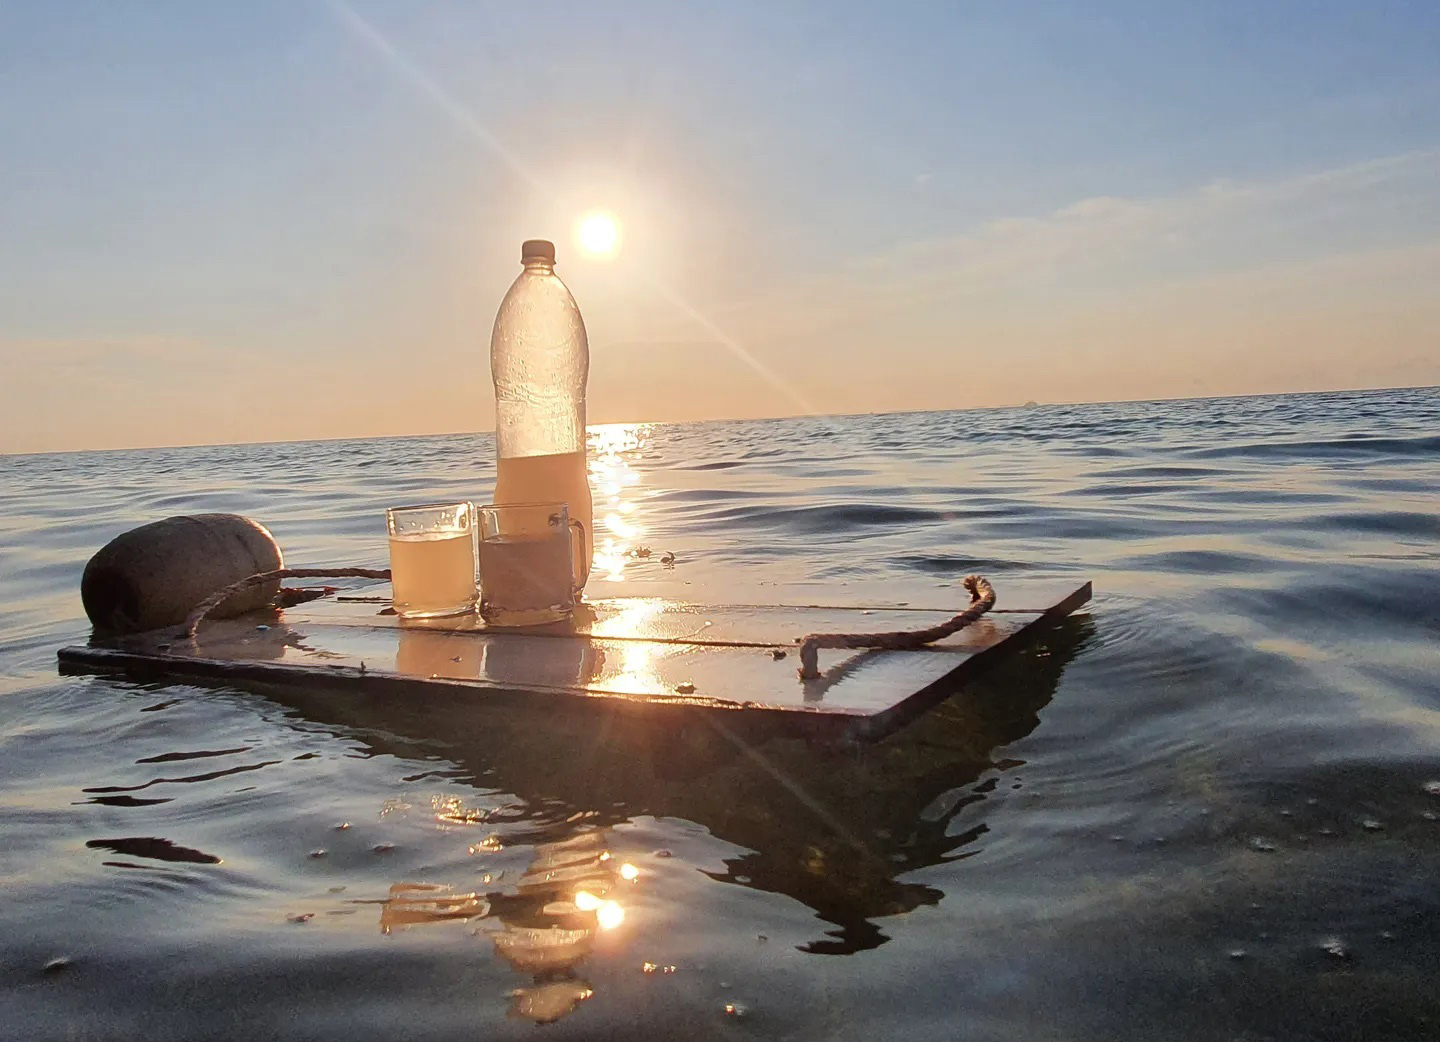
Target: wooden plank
x=636, y=653
x=670, y=611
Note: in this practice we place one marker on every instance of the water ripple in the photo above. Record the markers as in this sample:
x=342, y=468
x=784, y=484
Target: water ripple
x=1217, y=789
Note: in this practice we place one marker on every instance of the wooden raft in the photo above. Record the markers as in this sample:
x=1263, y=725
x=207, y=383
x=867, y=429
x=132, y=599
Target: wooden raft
x=647, y=648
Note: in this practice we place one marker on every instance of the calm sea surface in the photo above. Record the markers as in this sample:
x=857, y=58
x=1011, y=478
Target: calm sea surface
x=1208, y=807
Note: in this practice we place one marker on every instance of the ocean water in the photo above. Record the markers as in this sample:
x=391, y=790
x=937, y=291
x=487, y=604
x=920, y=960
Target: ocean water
x=1208, y=807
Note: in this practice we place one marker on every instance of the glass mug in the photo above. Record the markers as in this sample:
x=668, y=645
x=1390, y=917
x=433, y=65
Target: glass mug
x=432, y=559
x=528, y=564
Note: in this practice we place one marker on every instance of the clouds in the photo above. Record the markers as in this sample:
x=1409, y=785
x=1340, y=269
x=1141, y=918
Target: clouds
x=1196, y=227
x=1321, y=278
x=1110, y=296
x=1105, y=246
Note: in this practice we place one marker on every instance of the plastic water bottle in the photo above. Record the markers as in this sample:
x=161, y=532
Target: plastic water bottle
x=540, y=360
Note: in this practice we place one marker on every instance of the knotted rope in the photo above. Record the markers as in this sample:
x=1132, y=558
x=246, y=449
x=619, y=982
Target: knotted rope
x=219, y=597
x=982, y=599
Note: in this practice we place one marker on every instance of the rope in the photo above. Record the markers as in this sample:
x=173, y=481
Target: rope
x=215, y=600
x=982, y=599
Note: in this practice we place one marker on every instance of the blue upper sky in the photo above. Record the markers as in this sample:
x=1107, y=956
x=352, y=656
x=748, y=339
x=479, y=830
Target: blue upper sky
x=200, y=203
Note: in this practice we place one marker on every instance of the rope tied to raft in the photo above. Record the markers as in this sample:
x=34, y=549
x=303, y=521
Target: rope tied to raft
x=982, y=599
x=219, y=597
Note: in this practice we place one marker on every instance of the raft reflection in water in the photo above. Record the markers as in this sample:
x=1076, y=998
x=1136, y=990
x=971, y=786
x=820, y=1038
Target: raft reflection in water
x=428, y=652
x=833, y=828
x=546, y=922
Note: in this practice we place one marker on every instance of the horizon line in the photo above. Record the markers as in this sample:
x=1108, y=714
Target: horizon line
x=731, y=419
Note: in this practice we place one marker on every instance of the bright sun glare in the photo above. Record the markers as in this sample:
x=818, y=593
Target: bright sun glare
x=598, y=233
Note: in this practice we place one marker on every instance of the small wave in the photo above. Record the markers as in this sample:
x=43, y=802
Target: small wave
x=947, y=564
x=209, y=776
x=830, y=518
x=1323, y=448
x=724, y=464
x=1388, y=522
x=155, y=848
x=685, y=496
x=1158, y=488
x=1200, y=562
x=1343, y=601
x=1158, y=471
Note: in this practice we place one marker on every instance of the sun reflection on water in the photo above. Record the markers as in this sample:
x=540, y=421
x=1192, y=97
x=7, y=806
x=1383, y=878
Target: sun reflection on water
x=544, y=924
x=614, y=447
x=632, y=666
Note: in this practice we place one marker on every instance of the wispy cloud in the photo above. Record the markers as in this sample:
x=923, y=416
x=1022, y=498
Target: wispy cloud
x=1121, y=244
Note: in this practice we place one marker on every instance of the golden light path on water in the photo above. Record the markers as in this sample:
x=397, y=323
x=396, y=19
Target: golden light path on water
x=545, y=925
x=620, y=540
x=619, y=535
x=550, y=921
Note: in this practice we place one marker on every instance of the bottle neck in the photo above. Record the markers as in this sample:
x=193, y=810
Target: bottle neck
x=538, y=266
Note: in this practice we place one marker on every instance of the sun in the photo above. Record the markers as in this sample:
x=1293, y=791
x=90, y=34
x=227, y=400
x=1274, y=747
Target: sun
x=598, y=233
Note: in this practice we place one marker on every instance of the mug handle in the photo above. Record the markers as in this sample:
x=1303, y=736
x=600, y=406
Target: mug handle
x=577, y=555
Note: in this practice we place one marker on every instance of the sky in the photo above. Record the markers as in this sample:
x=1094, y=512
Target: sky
x=286, y=220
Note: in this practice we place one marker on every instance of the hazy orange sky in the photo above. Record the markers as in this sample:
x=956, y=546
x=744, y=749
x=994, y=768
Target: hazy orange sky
x=295, y=221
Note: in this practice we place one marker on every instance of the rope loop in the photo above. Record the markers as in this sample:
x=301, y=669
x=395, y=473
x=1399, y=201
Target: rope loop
x=982, y=599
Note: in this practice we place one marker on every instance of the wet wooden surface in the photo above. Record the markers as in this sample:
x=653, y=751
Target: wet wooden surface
x=652, y=646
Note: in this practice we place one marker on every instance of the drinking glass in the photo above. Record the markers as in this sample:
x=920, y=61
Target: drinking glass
x=432, y=559
x=527, y=563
